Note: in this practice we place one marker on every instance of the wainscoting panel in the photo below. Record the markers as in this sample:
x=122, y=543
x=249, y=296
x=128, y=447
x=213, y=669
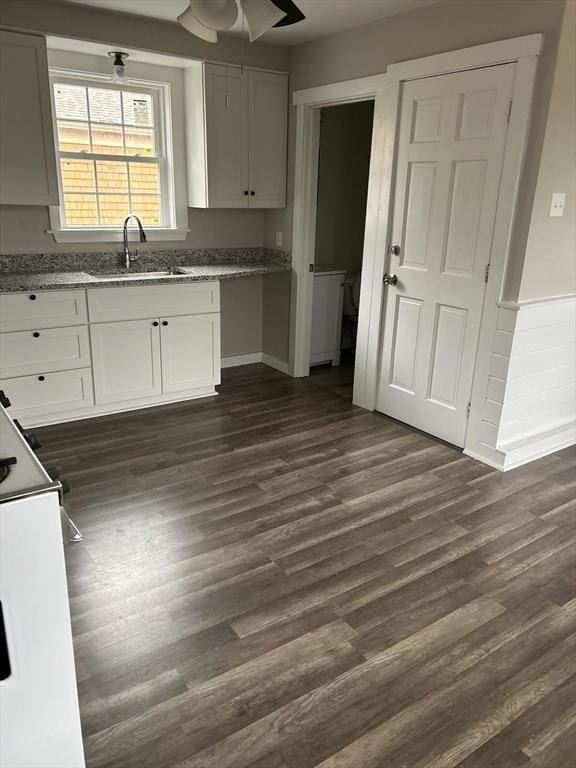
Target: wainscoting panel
x=530, y=406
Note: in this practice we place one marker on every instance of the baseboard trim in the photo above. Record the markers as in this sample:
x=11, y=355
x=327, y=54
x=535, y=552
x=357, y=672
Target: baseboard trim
x=95, y=412
x=274, y=362
x=536, y=446
x=235, y=360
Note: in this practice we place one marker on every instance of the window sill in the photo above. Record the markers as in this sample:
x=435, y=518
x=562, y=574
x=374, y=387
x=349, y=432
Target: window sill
x=113, y=235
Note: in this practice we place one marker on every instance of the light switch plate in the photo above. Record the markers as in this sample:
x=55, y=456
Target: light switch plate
x=279, y=239
x=558, y=203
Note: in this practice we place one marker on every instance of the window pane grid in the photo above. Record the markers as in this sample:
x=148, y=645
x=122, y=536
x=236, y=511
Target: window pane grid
x=102, y=192
x=109, y=158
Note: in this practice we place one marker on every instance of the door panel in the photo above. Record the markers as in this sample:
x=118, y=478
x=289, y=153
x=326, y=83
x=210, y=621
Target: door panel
x=268, y=125
x=226, y=131
x=190, y=352
x=449, y=160
x=126, y=360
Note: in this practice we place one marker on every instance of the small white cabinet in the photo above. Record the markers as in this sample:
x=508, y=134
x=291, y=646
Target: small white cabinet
x=236, y=127
x=28, y=174
x=327, y=317
x=190, y=348
x=126, y=360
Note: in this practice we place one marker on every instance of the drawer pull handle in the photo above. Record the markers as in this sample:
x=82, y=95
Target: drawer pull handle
x=36, y=335
x=41, y=378
x=32, y=297
x=164, y=322
x=155, y=323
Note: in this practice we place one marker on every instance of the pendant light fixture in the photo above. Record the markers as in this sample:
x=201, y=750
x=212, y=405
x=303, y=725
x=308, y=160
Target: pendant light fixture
x=118, y=66
x=205, y=18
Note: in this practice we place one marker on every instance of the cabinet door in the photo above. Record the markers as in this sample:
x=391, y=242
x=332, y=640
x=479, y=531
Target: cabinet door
x=267, y=120
x=226, y=134
x=126, y=360
x=190, y=352
x=27, y=152
x=327, y=318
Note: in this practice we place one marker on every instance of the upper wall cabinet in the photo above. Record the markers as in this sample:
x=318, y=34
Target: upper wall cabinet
x=28, y=174
x=236, y=137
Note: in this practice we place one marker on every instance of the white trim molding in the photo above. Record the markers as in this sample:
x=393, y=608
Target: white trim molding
x=233, y=361
x=529, y=409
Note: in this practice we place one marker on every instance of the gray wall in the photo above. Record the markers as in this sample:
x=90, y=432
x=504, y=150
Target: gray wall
x=345, y=139
x=241, y=316
x=276, y=317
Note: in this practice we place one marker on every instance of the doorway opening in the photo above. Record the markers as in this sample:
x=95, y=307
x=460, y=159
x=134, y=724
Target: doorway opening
x=342, y=188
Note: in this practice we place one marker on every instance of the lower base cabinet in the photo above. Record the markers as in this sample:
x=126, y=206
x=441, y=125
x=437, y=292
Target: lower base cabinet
x=147, y=354
x=142, y=358
x=34, y=396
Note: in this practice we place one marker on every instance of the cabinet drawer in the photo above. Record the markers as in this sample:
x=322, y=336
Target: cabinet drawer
x=142, y=302
x=43, y=309
x=62, y=391
x=54, y=349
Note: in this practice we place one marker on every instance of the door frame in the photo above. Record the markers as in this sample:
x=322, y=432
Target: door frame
x=385, y=90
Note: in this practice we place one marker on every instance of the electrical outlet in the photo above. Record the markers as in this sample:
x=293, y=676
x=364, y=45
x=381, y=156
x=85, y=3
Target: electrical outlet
x=279, y=239
x=558, y=203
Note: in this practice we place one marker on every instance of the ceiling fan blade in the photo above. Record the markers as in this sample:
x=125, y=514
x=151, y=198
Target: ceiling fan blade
x=261, y=15
x=293, y=13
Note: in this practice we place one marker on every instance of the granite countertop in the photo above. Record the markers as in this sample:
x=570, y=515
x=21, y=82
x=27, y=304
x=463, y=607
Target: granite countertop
x=40, y=281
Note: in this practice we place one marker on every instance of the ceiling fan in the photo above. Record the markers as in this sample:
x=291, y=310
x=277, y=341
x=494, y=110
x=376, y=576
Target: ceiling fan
x=205, y=18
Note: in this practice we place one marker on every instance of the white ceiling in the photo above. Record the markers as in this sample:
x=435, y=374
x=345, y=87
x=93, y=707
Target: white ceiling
x=323, y=17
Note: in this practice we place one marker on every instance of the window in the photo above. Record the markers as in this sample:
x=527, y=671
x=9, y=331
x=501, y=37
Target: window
x=113, y=155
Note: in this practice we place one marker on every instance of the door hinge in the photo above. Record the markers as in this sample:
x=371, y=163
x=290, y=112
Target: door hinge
x=509, y=111
x=468, y=410
x=486, y=272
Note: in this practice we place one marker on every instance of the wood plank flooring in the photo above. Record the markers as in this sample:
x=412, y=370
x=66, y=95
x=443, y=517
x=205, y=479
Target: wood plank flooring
x=275, y=579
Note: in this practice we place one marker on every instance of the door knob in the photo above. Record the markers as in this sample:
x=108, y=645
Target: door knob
x=390, y=279
x=395, y=250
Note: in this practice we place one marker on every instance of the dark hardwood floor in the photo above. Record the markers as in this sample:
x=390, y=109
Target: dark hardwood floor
x=275, y=579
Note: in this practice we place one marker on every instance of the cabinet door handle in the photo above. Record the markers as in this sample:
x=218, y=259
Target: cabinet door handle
x=155, y=323
x=41, y=378
x=164, y=322
x=32, y=297
x=36, y=335
x=245, y=191
x=252, y=193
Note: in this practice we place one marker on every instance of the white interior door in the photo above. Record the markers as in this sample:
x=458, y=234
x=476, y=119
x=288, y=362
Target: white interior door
x=449, y=160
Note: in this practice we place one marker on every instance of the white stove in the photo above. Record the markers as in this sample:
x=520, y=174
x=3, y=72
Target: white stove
x=39, y=713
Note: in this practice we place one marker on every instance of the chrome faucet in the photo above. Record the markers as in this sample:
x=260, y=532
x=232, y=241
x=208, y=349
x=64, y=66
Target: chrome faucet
x=128, y=258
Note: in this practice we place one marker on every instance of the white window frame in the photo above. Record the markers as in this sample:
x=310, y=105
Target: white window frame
x=174, y=212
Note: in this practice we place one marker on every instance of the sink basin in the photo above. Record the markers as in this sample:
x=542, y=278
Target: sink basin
x=135, y=275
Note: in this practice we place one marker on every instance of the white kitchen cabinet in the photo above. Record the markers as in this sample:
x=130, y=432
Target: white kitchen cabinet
x=140, y=302
x=28, y=174
x=236, y=137
x=327, y=317
x=42, y=309
x=126, y=360
x=51, y=349
x=190, y=350
x=34, y=396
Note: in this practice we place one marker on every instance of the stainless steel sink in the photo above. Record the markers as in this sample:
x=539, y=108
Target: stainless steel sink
x=135, y=275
